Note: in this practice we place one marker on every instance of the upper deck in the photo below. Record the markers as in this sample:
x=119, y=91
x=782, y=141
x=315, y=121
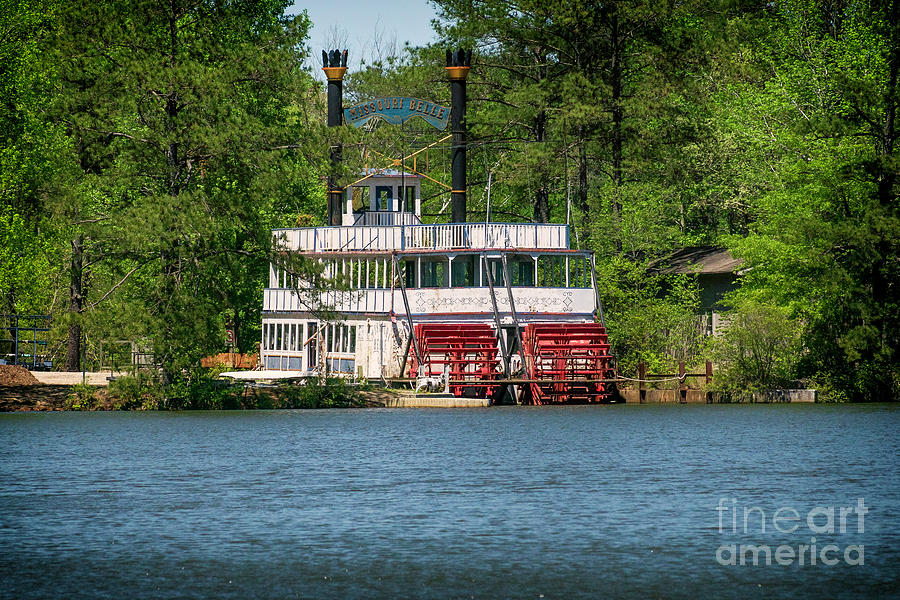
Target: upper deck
x=453, y=236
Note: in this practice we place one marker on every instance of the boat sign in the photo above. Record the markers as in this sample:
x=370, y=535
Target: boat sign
x=397, y=110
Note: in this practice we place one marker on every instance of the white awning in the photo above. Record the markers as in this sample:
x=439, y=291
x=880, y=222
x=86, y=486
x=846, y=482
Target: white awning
x=262, y=375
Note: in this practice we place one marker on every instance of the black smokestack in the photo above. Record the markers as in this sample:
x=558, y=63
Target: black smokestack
x=334, y=64
x=458, y=64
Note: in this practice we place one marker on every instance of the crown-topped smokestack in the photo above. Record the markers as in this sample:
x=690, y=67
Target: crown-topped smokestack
x=458, y=64
x=334, y=64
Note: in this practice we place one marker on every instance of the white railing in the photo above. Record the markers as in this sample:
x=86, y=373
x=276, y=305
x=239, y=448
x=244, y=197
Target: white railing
x=437, y=301
x=454, y=236
x=368, y=301
x=386, y=219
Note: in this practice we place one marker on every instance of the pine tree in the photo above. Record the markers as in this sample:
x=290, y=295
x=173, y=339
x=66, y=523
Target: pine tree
x=181, y=113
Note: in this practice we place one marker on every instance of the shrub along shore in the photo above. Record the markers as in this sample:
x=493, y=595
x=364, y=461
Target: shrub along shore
x=20, y=391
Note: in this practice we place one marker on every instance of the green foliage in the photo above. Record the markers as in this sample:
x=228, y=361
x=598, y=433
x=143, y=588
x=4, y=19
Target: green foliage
x=650, y=318
x=200, y=392
x=34, y=159
x=759, y=350
x=203, y=391
x=822, y=242
x=141, y=391
x=332, y=392
x=83, y=397
x=185, y=120
x=147, y=149
x=25, y=271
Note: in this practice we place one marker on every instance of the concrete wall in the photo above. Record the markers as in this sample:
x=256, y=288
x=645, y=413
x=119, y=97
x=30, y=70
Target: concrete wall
x=663, y=396
x=768, y=397
x=701, y=397
x=434, y=401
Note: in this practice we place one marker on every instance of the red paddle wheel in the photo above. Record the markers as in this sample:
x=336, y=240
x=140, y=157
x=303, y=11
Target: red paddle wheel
x=469, y=349
x=569, y=356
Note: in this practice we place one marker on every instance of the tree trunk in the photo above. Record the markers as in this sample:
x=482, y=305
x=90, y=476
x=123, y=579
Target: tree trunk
x=76, y=304
x=542, y=194
x=237, y=327
x=887, y=173
x=169, y=254
x=583, y=188
x=884, y=288
x=617, y=116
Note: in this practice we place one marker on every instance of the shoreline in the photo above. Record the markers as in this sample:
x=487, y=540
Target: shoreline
x=42, y=391
x=86, y=398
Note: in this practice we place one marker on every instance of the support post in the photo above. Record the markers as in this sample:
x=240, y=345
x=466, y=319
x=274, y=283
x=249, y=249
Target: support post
x=405, y=355
x=512, y=309
x=500, y=340
x=642, y=377
x=596, y=290
x=412, y=329
x=682, y=388
x=334, y=64
x=458, y=64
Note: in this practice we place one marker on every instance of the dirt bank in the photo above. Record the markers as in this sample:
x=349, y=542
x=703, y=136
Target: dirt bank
x=34, y=397
x=16, y=375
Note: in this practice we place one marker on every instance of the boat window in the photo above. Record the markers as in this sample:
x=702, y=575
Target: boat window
x=342, y=365
x=434, y=273
x=526, y=272
x=384, y=196
x=463, y=271
x=521, y=271
x=410, y=199
x=360, y=199
x=496, y=270
x=312, y=338
x=409, y=273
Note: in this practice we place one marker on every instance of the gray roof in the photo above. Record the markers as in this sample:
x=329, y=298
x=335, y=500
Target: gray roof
x=390, y=173
x=707, y=260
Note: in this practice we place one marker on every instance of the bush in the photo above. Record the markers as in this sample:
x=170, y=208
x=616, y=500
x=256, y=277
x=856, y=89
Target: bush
x=202, y=391
x=83, y=397
x=759, y=350
x=333, y=392
x=650, y=318
x=141, y=391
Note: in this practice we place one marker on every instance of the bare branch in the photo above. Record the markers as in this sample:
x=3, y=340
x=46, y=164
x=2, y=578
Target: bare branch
x=115, y=287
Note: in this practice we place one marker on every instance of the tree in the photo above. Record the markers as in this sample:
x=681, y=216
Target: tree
x=818, y=125
x=34, y=157
x=185, y=117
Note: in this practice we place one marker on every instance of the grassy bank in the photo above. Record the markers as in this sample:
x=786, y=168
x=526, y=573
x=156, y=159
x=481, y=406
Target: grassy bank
x=144, y=391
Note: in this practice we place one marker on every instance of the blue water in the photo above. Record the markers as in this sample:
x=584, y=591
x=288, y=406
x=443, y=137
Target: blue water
x=607, y=501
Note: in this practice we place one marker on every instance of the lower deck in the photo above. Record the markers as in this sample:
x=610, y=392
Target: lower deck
x=466, y=322
x=562, y=360
x=364, y=347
